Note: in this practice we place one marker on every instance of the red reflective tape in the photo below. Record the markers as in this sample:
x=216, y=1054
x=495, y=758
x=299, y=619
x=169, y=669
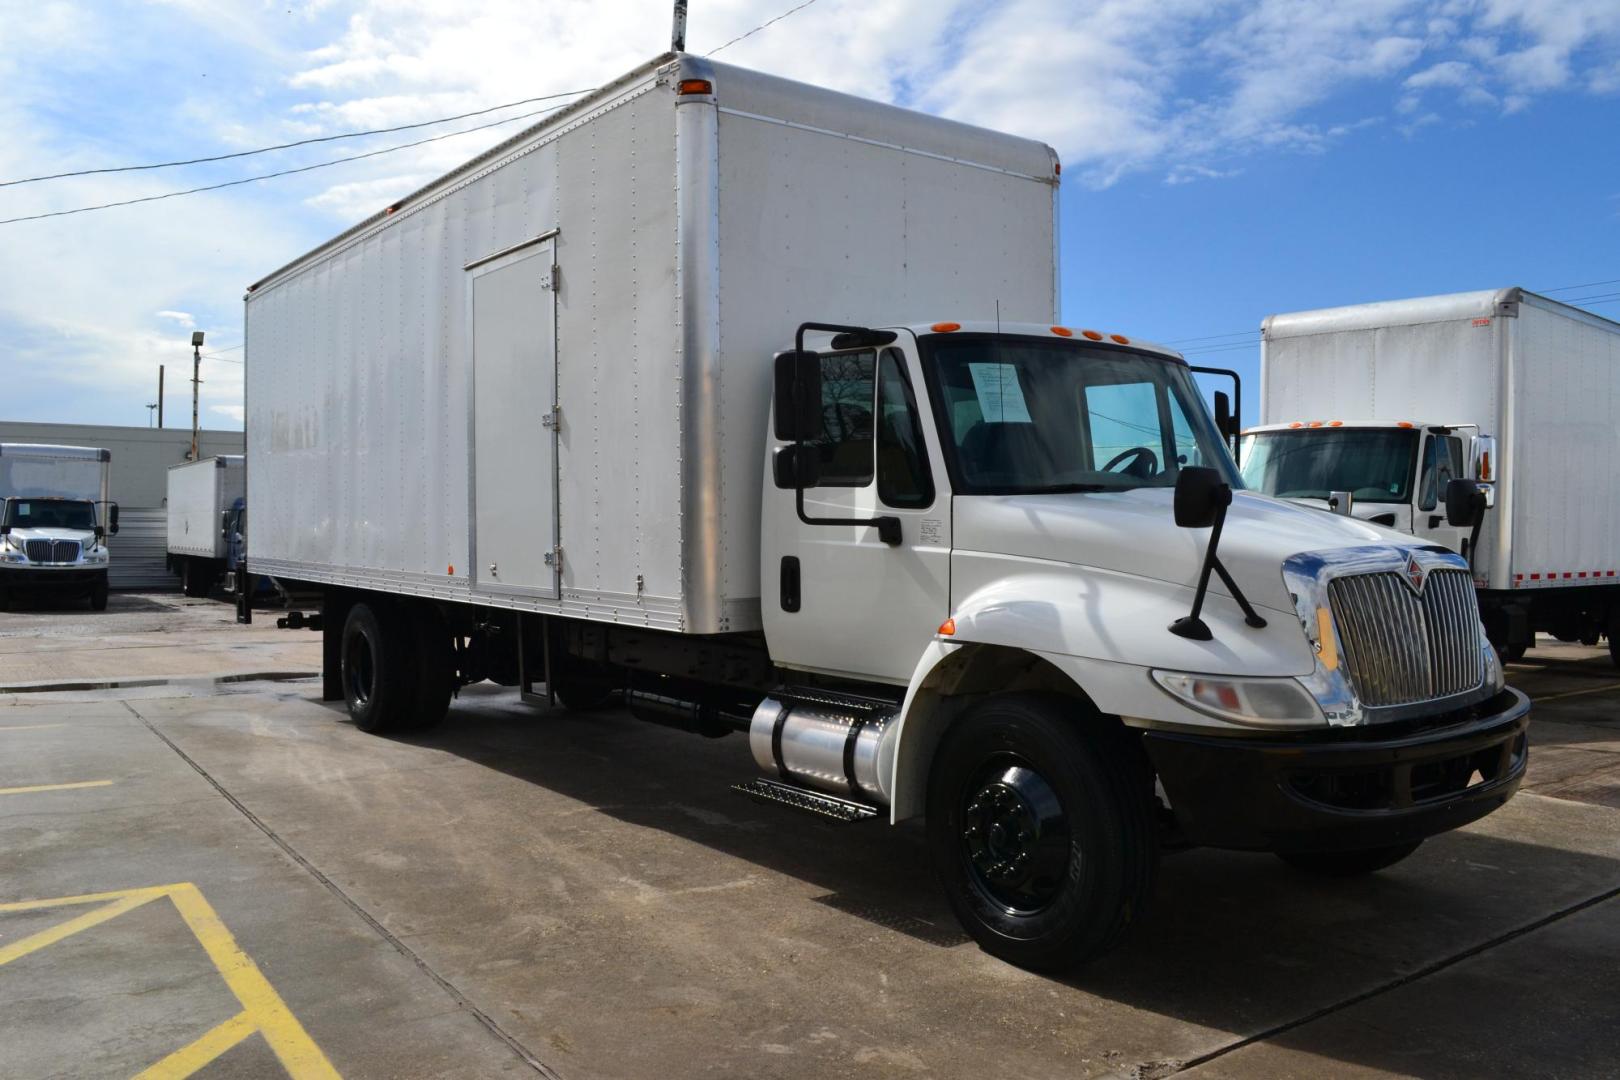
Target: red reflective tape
x=1581, y=574
x=1535, y=577
x=1566, y=575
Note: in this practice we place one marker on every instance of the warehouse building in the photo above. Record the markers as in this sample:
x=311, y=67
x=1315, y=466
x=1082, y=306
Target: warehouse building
x=140, y=464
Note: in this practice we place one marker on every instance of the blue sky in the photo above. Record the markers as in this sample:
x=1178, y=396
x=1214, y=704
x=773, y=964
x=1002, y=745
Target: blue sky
x=1223, y=161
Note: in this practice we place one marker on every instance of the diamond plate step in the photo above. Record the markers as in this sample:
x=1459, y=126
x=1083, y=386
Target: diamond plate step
x=798, y=798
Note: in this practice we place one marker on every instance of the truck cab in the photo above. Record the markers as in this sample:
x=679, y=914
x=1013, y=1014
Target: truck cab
x=1393, y=473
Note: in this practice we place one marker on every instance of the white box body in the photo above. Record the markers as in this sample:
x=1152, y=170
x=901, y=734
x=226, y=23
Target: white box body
x=199, y=492
x=1541, y=376
x=401, y=378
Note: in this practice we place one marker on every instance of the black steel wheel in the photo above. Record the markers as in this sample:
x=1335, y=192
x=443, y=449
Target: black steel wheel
x=1040, y=829
x=1348, y=863
x=378, y=673
x=98, y=594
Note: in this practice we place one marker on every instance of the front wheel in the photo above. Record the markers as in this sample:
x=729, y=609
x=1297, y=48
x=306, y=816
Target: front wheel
x=1040, y=830
x=1348, y=863
x=98, y=594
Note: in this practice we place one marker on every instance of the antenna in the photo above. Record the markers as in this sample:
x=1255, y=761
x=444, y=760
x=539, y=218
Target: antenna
x=677, y=36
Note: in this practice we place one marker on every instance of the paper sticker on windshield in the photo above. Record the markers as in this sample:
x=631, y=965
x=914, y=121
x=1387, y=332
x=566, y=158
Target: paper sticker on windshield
x=1001, y=399
x=22, y=509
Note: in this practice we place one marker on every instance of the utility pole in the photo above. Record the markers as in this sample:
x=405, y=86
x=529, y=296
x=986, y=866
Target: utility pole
x=160, y=396
x=196, y=384
x=677, y=37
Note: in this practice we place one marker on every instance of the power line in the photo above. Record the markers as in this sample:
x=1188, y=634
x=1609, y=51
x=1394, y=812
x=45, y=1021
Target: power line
x=1587, y=285
x=289, y=145
x=761, y=26
x=273, y=175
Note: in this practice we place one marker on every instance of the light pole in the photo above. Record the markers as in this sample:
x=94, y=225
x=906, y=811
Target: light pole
x=150, y=410
x=196, y=383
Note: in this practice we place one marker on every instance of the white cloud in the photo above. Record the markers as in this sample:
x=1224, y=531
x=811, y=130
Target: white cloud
x=235, y=412
x=184, y=318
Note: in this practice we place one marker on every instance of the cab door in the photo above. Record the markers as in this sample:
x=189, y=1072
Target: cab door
x=1441, y=459
x=837, y=598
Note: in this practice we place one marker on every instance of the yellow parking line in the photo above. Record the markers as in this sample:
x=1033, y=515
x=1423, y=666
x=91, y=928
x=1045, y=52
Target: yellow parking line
x=29, y=727
x=1578, y=693
x=54, y=787
x=188, y=1059
x=34, y=942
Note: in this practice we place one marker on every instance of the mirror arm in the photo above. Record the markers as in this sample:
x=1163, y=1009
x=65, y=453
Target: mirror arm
x=888, y=527
x=1192, y=626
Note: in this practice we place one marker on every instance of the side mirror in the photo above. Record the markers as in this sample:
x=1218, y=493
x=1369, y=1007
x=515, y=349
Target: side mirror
x=798, y=395
x=112, y=518
x=1482, y=458
x=1201, y=495
x=1225, y=422
x=794, y=470
x=1465, y=503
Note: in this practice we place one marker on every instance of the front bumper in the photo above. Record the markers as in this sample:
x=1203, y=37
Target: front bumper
x=45, y=576
x=1346, y=788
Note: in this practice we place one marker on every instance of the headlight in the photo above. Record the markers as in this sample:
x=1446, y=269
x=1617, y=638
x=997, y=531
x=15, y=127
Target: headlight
x=1494, y=678
x=1262, y=702
x=96, y=555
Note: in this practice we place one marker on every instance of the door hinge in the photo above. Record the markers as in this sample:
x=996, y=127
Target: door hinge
x=554, y=559
x=553, y=280
x=552, y=417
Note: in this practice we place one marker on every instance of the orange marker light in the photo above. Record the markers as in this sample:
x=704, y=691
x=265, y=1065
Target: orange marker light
x=947, y=628
x=1295, y=424
x=1062, y=331
x=1121, y=338
x=1092, y=334
x=1403, y=423
x=1336, y=423
x=1316, y=423
x=946, y=327
x=695, y=86
x=451, y=570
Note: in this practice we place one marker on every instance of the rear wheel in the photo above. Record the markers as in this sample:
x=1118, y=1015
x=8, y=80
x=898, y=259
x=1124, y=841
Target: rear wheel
x=195, y=580
x=582, y=687
x=1040, y=830
x=1511, y=654
x=1348, y=863
x=1614, y=636
x=98, y=594
x=379, y=679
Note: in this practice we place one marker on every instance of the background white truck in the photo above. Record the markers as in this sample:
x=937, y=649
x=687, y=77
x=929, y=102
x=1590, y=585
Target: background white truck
x=205, y=502
x=1392, y=401
x=55, y=518
x=526, y=425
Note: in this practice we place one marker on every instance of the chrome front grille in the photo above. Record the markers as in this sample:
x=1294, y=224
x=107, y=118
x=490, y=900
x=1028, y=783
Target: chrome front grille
x=1401, y=647
x=51, y=550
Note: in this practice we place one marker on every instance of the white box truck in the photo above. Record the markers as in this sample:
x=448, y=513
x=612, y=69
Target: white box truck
x=695, y=394
x=1382, y=406
x=205, y=504
x=55, y=518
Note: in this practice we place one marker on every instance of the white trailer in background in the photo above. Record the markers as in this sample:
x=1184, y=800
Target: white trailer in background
x=696, y=393
x=1391, y=401
x=204, y=504
x=54, y=520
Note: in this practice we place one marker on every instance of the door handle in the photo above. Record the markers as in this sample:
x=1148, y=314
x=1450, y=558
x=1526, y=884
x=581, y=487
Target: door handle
x=1435, y=520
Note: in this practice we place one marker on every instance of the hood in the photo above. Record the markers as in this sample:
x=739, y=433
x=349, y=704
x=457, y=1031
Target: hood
x=1134, y=532
x=85, y=537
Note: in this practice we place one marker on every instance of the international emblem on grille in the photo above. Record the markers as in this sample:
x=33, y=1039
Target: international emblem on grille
x=1414, y=574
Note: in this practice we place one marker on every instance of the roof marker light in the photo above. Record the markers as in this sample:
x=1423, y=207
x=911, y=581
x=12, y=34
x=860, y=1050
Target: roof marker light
x=1316, y=423
x=1335, y=423
x=1092, y=334
x=1403, y=423
x=1120, y=338
x=695, y=86
x=946, y=327
x=1296, y=424
x=1062, y=331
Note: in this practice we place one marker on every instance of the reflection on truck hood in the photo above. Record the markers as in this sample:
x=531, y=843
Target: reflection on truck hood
x=1134, y=532
x=83, y=536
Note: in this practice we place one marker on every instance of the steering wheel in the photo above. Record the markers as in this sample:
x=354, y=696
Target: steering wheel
x=1143, y=462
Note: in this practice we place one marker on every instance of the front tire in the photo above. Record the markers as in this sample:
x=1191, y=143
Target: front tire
x=379, y=678
x=98, y=594
x=1040, y=830
x=1348, y=863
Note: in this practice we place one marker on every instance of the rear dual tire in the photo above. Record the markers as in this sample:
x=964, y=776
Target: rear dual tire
x=1041, y=830
x=396, y=665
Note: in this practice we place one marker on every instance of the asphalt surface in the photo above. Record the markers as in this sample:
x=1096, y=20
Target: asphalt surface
x=206, y=868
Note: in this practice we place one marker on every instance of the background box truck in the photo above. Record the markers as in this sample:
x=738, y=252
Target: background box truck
x=55, y=518
x=205, y=504
x=696, y=394
x=1391, y=401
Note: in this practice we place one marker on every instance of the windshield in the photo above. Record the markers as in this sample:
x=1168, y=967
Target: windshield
x=50, y=514
x=1375, y=464
x=1030, y=415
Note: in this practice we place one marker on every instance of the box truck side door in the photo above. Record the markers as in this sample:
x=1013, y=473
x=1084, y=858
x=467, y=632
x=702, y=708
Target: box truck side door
x=836, y=597
x=513, y=488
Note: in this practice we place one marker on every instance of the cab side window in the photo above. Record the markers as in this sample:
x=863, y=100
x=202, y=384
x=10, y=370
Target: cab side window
x=902, y=465
x=844, y=445
x=1442, y=463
